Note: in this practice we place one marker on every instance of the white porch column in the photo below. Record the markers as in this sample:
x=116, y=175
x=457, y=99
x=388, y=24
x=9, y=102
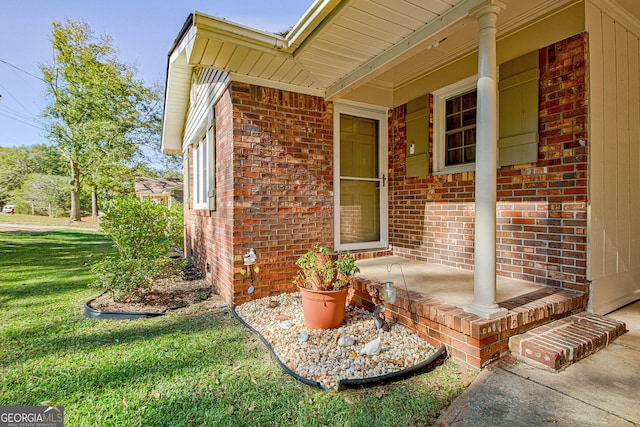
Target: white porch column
x=484, y=281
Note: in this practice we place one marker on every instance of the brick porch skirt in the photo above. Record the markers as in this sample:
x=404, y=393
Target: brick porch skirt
x=469, y=339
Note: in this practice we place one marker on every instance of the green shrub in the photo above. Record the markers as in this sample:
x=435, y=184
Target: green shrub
x=175, y=231
x=143, y=232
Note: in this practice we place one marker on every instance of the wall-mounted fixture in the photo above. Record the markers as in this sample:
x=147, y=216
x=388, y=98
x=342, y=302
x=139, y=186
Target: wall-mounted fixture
x=249, y=260
x=250, y=257
x=436, y=43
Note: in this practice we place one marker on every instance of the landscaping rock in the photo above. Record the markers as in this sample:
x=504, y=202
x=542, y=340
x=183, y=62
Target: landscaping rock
x=319, y=357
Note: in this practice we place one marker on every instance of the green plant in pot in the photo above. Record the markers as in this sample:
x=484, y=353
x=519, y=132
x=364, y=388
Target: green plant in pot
x=323, y=280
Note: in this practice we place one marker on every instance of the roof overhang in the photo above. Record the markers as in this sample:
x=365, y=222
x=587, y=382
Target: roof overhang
x=337, y=49
x=247, y=54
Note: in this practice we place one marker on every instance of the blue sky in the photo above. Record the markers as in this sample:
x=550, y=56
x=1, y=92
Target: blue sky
x=142, y=31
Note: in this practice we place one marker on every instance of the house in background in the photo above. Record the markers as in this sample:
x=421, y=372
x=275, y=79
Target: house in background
x=164, y=190
x=495, y=137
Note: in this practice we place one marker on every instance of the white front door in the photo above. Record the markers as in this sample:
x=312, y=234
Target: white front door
x=360, y=177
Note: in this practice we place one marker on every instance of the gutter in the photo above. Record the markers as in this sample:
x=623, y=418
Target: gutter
x=222, y=29
x=201, y=24
x=183, y=31
x=312, y=19
x=181, y=35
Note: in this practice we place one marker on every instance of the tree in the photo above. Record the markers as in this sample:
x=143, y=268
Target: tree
x=151, y=158
x=43, y=191
x=17, y=163
x=96, y=111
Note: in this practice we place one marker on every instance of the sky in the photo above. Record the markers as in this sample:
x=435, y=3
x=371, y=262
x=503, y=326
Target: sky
x=142, y=31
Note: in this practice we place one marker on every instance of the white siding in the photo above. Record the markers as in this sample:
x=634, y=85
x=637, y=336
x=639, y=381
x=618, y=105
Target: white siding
x=614, y=234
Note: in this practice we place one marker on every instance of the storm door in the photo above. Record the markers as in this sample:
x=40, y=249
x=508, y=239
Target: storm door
x=362, y=183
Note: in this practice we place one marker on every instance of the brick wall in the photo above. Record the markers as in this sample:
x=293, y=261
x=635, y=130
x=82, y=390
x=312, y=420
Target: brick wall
x=275, y=189
x=209, y=234
x=283, y=183
x=541, y=227
x=274, y=186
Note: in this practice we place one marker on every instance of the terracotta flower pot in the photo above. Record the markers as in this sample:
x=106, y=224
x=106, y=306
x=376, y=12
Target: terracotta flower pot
x=323, y=309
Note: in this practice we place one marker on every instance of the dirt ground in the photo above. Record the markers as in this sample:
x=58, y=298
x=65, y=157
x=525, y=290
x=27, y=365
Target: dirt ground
x=166, y=295
x=177, y=294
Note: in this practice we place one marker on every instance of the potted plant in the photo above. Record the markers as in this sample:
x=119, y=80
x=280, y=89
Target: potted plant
x=323, y=280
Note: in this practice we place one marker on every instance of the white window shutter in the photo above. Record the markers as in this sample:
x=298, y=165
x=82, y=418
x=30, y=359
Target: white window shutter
x=211, y=169
x=518, y=116
x=187, y=179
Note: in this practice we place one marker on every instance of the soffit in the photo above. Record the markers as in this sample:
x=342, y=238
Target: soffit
x=337, y=47
x=176, y=102
x=344, y=38
x=456, y=41
x=352, y=42
x=363, y=30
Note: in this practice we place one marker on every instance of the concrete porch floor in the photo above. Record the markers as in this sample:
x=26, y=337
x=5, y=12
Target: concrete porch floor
x=451, y=285
x=434, y=304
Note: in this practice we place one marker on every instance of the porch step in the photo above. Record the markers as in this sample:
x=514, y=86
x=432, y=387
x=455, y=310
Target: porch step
x=562, y=342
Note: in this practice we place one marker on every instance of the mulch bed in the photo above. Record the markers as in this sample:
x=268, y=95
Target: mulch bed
x=165, y=295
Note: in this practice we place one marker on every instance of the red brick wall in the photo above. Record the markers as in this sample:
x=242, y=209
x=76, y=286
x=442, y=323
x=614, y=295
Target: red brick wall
x=541, y=229
x=209, y=234
x=274, y=186
x=275, y=189
x=283, y=183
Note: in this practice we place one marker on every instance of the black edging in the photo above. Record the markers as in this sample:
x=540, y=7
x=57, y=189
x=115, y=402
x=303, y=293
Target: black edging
x=392, y=376
x=275, y=357
x=347, y=383
x=92, y=313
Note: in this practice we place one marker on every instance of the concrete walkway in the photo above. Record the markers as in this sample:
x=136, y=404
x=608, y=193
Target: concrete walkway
x=601, y=390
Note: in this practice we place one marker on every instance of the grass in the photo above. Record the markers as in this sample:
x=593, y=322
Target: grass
x=199, y=367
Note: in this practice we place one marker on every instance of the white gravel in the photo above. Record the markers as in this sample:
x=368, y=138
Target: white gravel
x=320, y=358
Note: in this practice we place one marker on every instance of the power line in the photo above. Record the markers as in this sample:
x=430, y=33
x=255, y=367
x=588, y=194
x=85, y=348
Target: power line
x=15, y=98
x=17, y=113
x=21, y=121
x=21, y=70
x=21, y=118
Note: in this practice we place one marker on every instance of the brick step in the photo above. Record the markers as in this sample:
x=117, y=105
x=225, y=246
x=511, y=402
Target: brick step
x=562, y=342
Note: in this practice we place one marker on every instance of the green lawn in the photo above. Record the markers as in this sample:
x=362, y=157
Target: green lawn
x=183, y=369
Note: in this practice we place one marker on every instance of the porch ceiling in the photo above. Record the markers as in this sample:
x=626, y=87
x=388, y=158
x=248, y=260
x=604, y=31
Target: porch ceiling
x=336, y=47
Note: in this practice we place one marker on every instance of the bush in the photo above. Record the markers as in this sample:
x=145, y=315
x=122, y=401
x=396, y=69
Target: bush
x=176, y=225
x=143, y=232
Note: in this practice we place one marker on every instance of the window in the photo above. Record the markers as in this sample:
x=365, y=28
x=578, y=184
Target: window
x=454, y=127
x=203, y=172
x=454, y=118
x=460, y=139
